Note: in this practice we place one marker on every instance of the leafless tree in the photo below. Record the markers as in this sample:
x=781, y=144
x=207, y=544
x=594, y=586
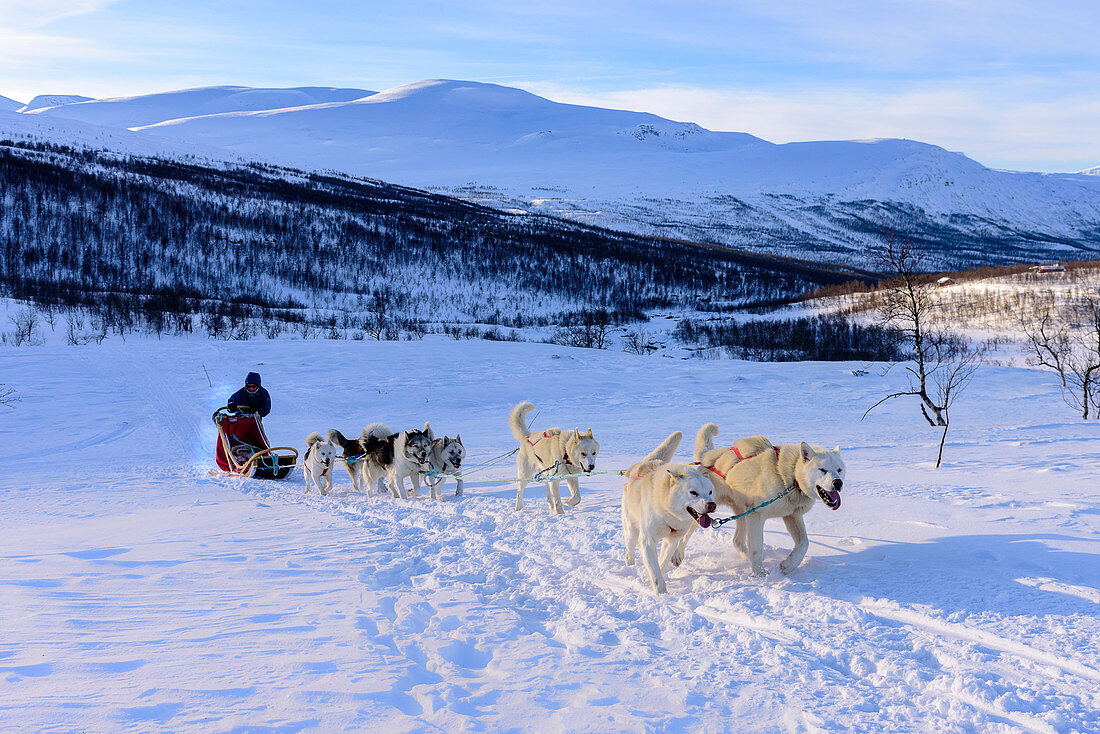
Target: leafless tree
x=26, y=327
x=49, y=315
x=942, y=364
x=1067, y=340
x=637, y=341
x=271, y=327
x=8, y=397
x=377, y=322
x=589, y=329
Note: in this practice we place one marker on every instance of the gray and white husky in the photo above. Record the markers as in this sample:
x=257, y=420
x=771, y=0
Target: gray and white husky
x=445, y=456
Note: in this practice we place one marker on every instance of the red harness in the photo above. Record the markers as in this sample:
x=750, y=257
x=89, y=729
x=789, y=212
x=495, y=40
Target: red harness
x=740, y=458
x=545, y=435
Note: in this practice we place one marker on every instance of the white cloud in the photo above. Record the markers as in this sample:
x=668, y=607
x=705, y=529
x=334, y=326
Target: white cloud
x=27, y=14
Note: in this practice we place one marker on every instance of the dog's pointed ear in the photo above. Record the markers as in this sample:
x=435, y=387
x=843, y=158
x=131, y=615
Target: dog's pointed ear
x=590, y=433
x=807, y=451
x=458, y=437
x=676, y=474
x=837, y=449
x=428, y=430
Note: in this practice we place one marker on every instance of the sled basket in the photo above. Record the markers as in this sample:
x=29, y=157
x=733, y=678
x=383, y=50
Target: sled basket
x=243, y=448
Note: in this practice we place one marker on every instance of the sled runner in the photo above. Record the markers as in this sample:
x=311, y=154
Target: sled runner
x=243, y=448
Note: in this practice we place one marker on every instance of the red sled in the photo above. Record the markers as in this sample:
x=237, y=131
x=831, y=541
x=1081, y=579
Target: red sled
x=243, y=448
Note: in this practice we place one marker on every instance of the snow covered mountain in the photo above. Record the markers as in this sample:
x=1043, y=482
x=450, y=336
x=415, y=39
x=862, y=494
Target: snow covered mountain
x=149, y=109
x=9, y=105
x=43, y=101
x=643, y=173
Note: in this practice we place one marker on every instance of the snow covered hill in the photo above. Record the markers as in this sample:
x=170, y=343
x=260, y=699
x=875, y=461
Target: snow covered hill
x=643, y=173
x=142, y=594
x=9, y=105
x=44, y=101
x=152, y=108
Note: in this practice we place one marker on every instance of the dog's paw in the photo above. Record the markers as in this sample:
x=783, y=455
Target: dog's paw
x=759, y=573
x=787, y=566
x=573, y=500
x=676, y=559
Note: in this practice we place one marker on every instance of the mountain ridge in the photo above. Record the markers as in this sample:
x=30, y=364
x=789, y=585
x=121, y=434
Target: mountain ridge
x=639, y=172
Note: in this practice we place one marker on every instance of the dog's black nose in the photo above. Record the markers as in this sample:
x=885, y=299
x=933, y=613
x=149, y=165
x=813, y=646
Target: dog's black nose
x=837, y=484
x=711, y=507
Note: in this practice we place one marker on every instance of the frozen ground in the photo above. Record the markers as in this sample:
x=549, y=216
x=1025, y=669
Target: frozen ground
x=142, y=594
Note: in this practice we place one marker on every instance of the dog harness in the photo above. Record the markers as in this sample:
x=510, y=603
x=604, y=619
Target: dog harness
x=740, y=458
x=546, y=435
x=309, y=451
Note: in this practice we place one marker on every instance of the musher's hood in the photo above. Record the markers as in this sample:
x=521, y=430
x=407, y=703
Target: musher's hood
x=253, y=377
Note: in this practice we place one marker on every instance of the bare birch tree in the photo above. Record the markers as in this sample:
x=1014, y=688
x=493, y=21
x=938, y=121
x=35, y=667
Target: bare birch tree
x=1067, y=340
x=942, y=363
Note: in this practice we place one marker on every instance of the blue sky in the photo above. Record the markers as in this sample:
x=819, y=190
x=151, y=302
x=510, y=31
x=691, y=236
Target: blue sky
x=1012, y=84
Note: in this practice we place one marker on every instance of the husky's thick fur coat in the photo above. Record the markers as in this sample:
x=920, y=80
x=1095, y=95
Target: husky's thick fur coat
x=753, y=471
x=553, y=452
x=445, y=456
x=395, y=456
x=351, y=450
x=663, y=501
x=317, y=463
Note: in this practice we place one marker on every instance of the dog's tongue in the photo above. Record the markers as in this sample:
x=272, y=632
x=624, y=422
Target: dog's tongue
x=834, y=499
x=703, y=520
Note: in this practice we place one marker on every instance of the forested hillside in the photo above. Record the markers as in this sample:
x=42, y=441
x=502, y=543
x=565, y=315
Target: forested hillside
x=150, y=235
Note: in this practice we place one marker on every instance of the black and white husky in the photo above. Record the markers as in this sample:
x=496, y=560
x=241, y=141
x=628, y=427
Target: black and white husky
x=394, y=456
x=317, y=463
x=351, y=453
x=446, y=457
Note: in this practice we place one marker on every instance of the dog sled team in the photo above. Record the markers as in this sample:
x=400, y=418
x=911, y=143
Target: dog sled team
x=381, y=459
x=663, y=503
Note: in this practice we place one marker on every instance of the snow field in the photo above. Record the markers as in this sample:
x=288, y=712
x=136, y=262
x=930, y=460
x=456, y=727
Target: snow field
x=143, y=594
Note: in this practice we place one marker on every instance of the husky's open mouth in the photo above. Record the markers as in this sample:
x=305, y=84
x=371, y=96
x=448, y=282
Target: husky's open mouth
x=830, y=497
x=703, y=519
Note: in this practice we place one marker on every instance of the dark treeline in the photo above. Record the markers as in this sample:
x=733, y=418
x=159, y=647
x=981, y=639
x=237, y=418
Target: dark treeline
x=81, y=228
x=823, y=338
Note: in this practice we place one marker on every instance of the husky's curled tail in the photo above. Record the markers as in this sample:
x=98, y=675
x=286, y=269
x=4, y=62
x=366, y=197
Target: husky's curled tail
x=375, y=430
x=704, y=440
x=657, y=457
x=316, y=438
x=517, y=420
x=668, y=447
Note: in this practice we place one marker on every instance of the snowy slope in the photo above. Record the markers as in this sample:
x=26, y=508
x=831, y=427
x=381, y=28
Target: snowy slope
x=9, y=105
x=640, y=171
x=141, y=593
x=152, y=108
x=75, y=134
x=43, y=101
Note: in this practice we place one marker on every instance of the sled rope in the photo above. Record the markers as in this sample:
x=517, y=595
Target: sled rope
x=720, y=522
x=541, y=476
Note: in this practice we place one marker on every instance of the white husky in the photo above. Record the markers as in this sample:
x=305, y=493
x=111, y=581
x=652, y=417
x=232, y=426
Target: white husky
x=753, y=471
x=664, y=501
x=445, y=456
x=551, y=452
x=317, y=463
